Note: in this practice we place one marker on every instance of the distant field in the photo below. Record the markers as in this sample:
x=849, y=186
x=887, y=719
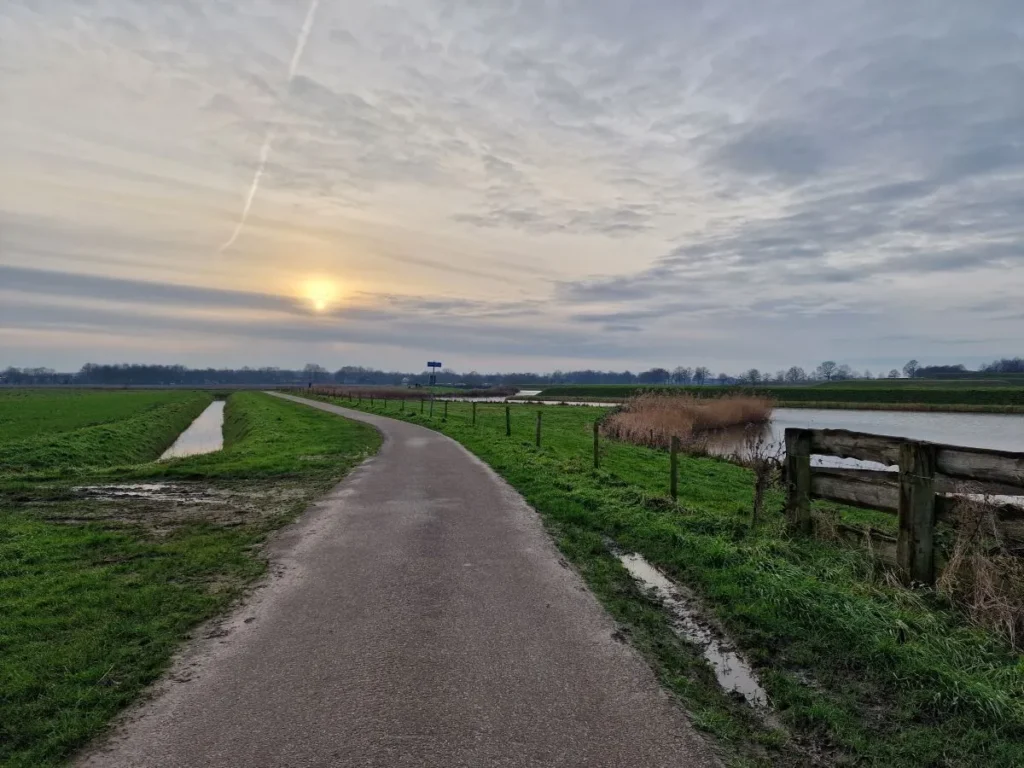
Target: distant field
x=34, y=412
x=58, y=431
x=834, y=394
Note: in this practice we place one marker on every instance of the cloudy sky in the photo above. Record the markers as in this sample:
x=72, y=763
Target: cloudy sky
x=508, y=185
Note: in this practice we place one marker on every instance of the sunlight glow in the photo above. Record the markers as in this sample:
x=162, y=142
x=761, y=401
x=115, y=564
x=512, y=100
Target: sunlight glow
x=321, y=293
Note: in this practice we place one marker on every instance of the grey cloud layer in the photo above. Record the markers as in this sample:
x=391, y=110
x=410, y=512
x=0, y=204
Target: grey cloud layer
x=738, y=169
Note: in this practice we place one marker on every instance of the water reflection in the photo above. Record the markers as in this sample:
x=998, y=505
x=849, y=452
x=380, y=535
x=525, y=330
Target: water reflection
x=204, y=435
x=973, y=430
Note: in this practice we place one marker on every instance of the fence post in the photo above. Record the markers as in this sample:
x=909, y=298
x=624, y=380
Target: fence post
x=421, y=406
x=446, y=410
x=915, y=552
x=474, y=414
x=538, y=428
x=508, y=421
x=798, y=479
x=371, y=401
x=674, y=467
x=597, y=445
x=431, y=414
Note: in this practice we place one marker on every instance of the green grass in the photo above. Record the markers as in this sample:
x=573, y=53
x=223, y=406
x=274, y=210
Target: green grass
x=29, y=413
x=859, y=672
x=90, y=429
x=95, y=596
x=936, y=395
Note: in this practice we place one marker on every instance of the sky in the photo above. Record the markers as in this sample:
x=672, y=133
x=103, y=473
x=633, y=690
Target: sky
x=511, y=185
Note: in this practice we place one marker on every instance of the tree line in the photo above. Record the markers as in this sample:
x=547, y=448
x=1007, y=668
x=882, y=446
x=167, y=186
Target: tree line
x=125, y=374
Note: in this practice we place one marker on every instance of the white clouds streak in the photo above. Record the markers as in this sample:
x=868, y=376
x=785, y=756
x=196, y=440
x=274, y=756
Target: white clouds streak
x=268, y=140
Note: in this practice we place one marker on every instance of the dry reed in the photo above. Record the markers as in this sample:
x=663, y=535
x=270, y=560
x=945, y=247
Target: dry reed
x=982, y=576
x=653, y=419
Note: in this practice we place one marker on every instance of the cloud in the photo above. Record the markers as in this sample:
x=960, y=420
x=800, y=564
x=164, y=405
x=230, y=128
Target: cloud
x=524, y=181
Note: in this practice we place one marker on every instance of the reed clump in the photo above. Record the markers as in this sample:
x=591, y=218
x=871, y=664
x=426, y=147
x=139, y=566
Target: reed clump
x=653, y=419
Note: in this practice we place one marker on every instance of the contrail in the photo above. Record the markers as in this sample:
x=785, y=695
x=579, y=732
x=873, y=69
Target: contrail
x=268, y=140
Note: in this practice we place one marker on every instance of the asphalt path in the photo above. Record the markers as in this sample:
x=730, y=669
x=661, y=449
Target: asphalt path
x=419, y=615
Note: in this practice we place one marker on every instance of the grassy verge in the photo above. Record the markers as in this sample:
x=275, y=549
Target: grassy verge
x=97, y=590
x=859, y=672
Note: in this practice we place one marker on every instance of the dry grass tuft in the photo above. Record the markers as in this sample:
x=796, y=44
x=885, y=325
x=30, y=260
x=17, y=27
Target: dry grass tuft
x=982, y=576
x=653, y=419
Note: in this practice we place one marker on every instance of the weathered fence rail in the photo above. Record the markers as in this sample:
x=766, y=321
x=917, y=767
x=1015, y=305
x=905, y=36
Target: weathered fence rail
x=929, y=482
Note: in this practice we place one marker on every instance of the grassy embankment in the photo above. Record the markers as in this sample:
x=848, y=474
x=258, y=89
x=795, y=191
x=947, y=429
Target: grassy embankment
x=911, y=395
x=97, y=592
x=859, y=671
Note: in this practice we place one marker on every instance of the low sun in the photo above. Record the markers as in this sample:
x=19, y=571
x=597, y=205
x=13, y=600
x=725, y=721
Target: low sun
x=321, y=293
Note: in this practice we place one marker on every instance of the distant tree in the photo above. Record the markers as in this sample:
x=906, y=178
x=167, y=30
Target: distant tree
x=654, y=376
x=868, y=374
x=1006, y=365
x=701, y=375
x=795, y=375
x=682, y=375
x=935, y=371
x=723, y=379
x=827, y=370
x=752, y=377
x=780, y=377
x=843, y=373
x=910, y=369
x=894, y=374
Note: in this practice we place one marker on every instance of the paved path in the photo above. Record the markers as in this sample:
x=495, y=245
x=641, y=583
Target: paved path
x=420, y=616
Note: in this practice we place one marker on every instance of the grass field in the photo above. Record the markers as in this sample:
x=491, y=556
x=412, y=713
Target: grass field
x=859, y=671
x=874, y=394
x=98, y=591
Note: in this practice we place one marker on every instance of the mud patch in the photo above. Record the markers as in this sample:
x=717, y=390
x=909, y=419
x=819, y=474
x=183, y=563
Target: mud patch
x=163, y=507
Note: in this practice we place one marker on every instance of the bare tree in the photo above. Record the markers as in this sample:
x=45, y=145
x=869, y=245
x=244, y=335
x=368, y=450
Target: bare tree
x=682, y=375
x=796, y=374
x=894, y=374
x=827, y=370
x=910, y=369
x=701, y=375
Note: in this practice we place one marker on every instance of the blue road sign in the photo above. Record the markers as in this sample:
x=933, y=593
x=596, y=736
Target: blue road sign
x=433, y=365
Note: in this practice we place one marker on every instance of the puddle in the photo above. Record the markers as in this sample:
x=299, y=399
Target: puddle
x=733, y=673
x=204, y=435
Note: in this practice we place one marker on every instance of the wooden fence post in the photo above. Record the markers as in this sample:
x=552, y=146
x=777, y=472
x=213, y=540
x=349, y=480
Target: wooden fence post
x=597, y=445
x=421, y=406
x=431, y=414
x=474, y=414
x=538, y=428
x=674, y=468
x=446, y=410
x=915, y=552
x=508, y=421
x=798, y=479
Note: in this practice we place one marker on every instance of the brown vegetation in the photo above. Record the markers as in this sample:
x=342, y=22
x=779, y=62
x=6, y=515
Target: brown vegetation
x=982, y=576
x=653, y=419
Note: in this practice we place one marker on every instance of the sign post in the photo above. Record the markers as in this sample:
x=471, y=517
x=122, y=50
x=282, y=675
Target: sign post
x=433, y=366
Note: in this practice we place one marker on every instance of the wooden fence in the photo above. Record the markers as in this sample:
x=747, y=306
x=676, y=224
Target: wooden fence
x=923, y=493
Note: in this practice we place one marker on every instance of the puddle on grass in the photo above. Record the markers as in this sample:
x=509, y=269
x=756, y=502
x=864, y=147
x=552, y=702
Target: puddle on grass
x=733, y=673
x=204, y=435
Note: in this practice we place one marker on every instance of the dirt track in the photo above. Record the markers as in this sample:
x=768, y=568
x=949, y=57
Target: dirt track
x=420, y=616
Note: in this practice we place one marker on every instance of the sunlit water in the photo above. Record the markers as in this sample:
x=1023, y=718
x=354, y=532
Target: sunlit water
x=204, y=435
